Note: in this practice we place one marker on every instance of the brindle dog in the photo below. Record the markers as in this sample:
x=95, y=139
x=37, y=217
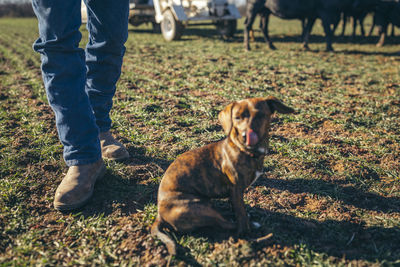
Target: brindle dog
x=218, y=170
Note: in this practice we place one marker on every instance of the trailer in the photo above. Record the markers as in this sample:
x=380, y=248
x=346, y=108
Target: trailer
x=171, y=17
x=142, y=12
x=175, y=15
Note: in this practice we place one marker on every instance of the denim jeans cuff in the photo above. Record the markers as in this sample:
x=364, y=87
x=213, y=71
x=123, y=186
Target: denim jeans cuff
x=76, y=162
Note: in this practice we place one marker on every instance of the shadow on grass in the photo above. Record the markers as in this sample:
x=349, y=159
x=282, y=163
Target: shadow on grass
x=212, y=34
x=349, y=239
x=137, y=30
x=188, y=33
x=208, y=33
x=125, y=193
x=341, y=239
x=367, y=53
x=321, y=39
x=347, y=194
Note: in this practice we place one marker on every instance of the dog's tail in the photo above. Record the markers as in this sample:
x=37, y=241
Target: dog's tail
x=157, y=231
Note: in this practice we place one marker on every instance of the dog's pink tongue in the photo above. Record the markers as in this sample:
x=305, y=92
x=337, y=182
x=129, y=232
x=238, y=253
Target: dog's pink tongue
x=252, y=138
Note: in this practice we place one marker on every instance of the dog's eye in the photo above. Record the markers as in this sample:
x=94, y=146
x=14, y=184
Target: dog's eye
x=245, y=114
x=242, y=115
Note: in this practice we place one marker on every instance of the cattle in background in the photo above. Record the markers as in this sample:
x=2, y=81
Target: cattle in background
x=286, y=9
x=306, y=10
x=387, y=12
x=329, y=12
x=357, y=11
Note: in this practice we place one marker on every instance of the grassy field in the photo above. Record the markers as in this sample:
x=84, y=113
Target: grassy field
x=331, y=191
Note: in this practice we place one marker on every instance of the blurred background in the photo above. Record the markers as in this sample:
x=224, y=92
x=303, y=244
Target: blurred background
x=23, y=8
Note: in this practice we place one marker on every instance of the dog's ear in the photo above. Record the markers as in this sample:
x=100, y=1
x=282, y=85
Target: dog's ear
x=225, y=118
x=275, y=105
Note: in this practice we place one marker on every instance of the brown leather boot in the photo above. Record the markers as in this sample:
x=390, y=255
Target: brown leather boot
x=77, y=186
x=111, y=149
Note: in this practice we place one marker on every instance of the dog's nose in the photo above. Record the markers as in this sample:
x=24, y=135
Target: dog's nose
x=251, y=138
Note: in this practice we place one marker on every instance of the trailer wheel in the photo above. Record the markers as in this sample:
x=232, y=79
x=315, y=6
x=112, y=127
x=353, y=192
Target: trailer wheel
x=171, y=29
x=226, y=28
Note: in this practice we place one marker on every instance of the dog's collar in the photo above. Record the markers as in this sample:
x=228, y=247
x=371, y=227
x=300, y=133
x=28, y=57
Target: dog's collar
x=259, y=151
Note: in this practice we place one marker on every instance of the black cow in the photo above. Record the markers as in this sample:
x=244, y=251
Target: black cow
x=306, y=10
x=286, y=9
x=387, y=12
x=358, y=11
x=329, y=12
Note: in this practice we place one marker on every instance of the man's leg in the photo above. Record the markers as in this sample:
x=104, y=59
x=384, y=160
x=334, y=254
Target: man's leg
x=108, y=32
x=64, y=76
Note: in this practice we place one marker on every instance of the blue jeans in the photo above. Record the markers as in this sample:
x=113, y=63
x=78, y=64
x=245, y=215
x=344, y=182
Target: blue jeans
x=80, y=83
